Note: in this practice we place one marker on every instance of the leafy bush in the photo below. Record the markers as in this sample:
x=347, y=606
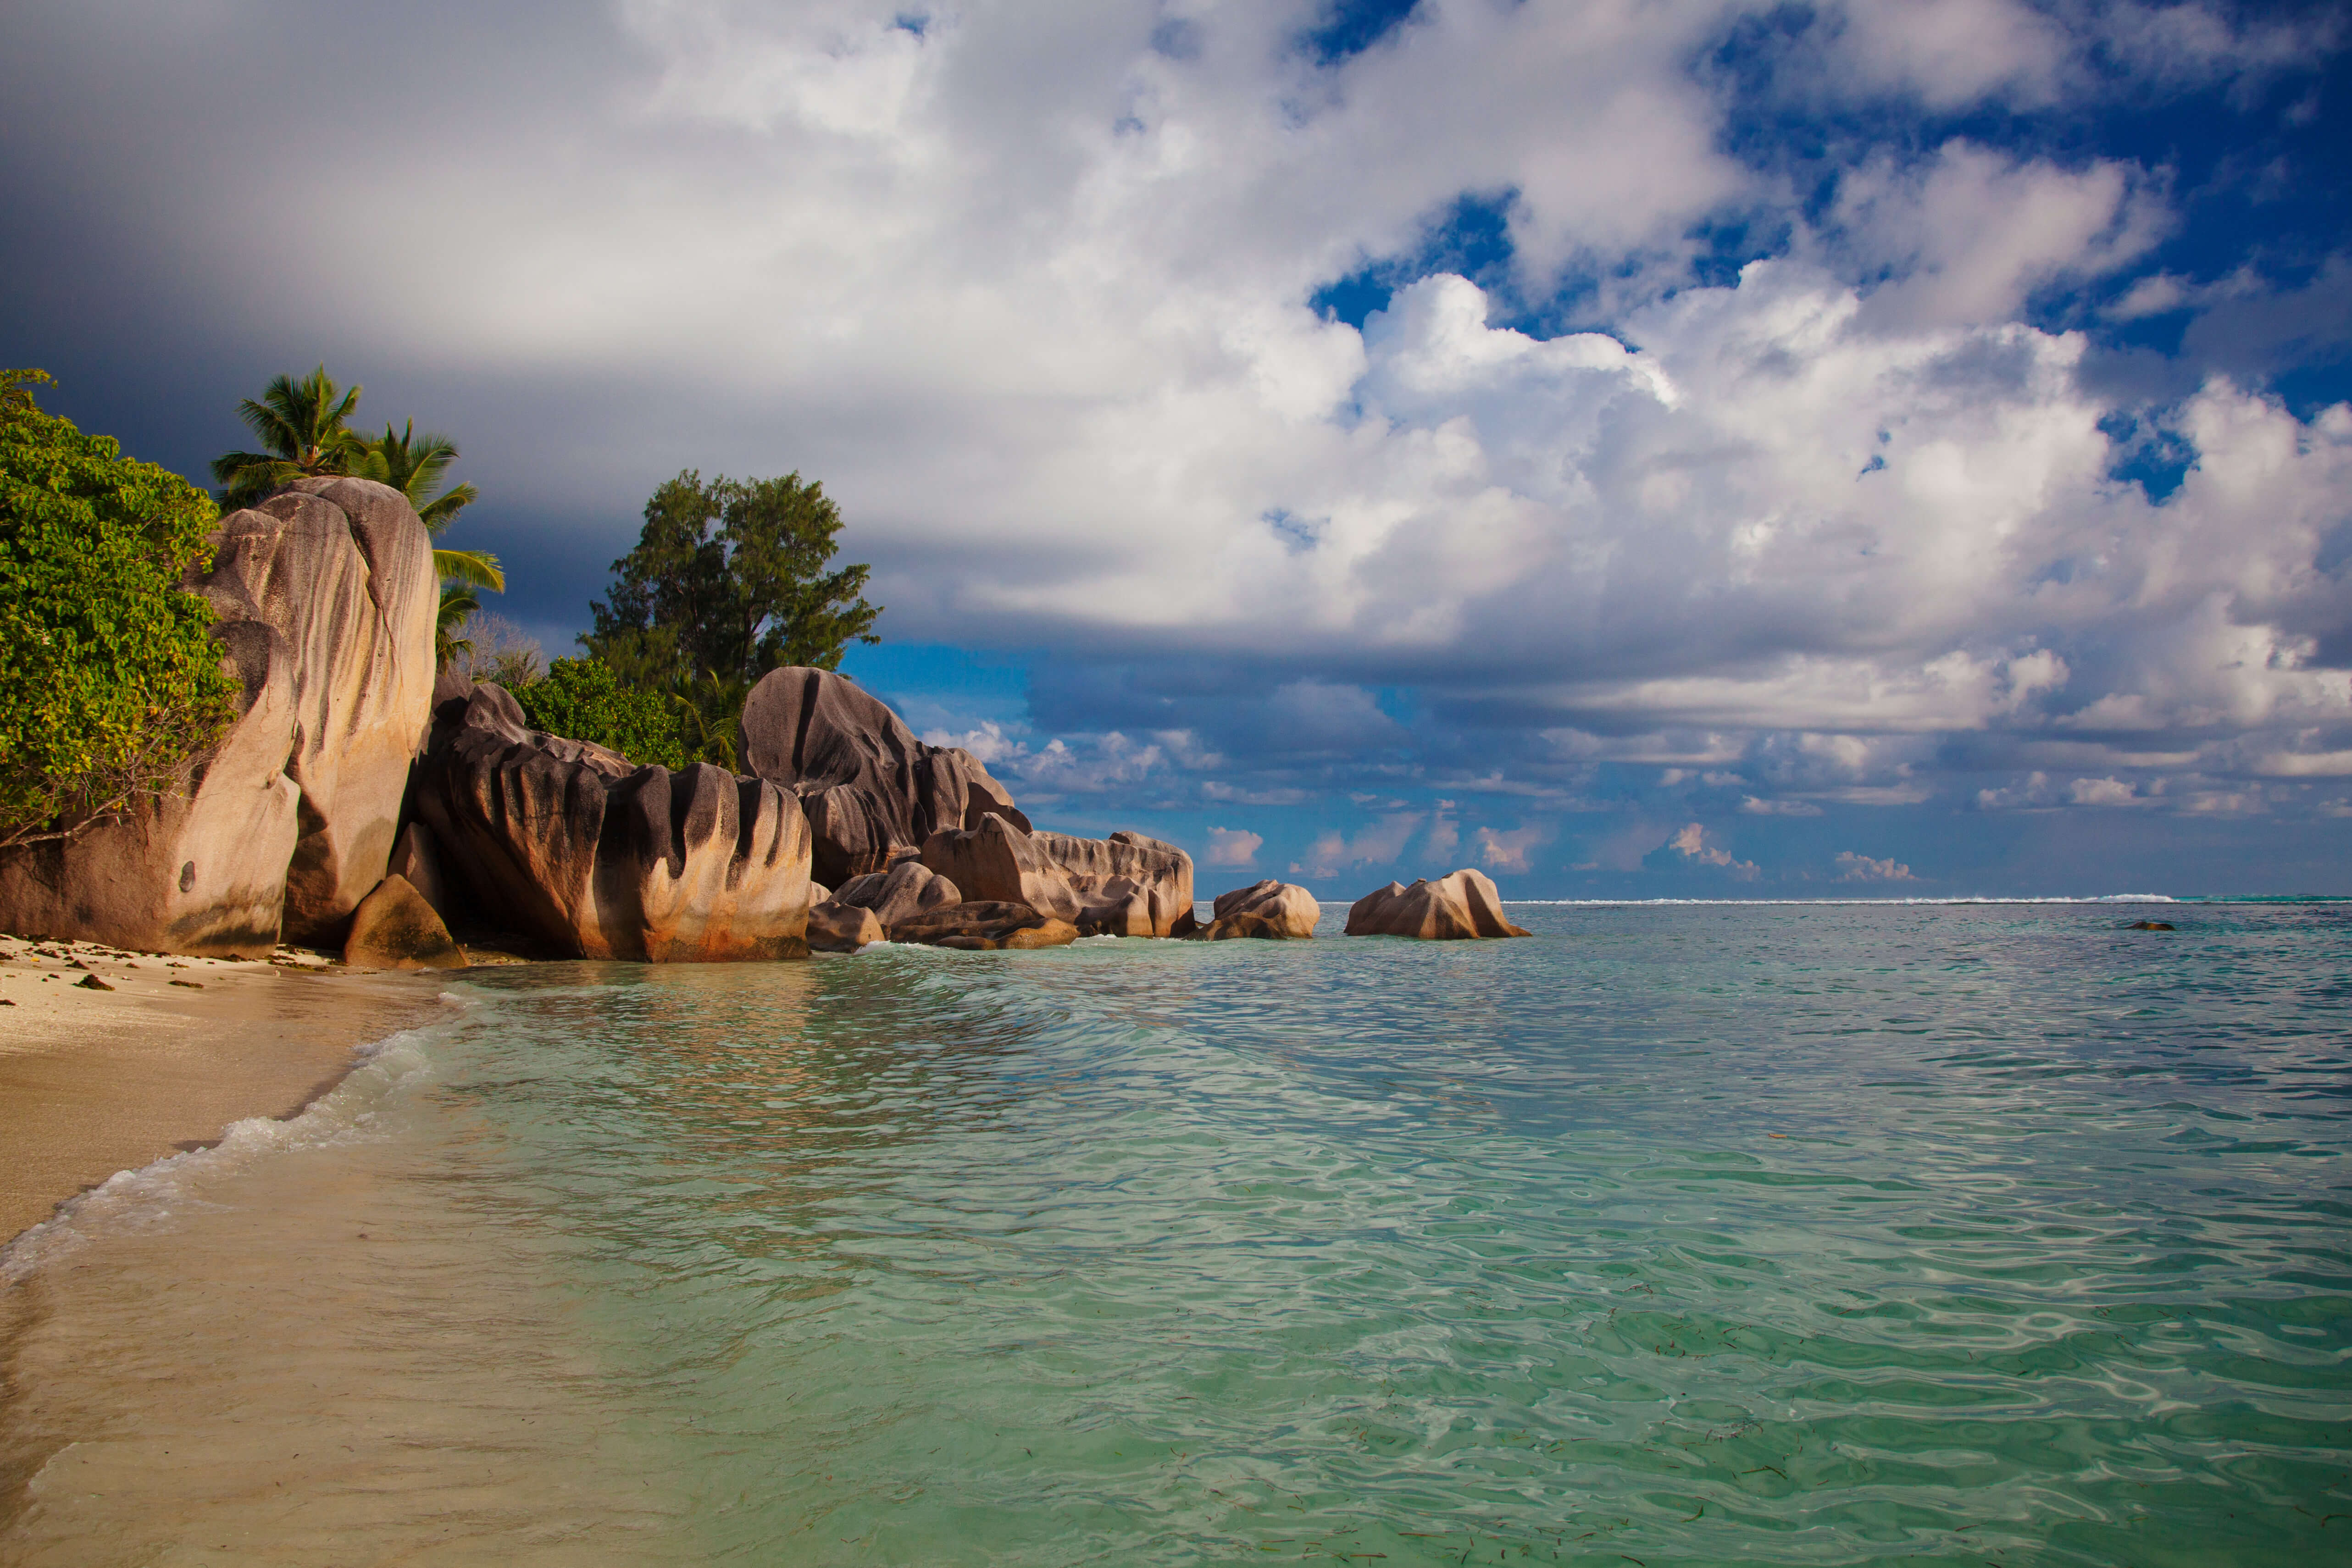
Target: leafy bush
x=112, y=680
x=583, y=699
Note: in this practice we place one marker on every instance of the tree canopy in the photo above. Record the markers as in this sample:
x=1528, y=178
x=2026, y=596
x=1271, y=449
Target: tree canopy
x=113, y=681
x=583, y=699
x=729, y=578
x=303, y=424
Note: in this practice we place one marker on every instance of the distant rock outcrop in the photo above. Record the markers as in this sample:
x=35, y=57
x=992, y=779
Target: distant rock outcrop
x=984, y=924
x=603, y=860
x=907, y=889
x=1276, y=910
x=394, y=928
x=868, y=786
x=326, y=597
x=1462, y=906
x=1125, y=885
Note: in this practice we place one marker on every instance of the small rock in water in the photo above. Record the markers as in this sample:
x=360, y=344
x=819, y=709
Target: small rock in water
x=2151, y=926
x=92, y=983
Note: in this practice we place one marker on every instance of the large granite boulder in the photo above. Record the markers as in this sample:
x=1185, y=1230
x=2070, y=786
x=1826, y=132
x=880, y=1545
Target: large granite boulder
x=326, y=597
x=908, y=888
x=1278, y=911
x=394, y=928
x=836, y=927
x=984, y=924
x=1452, y=908
x=868, y=786
x=1125, y=885
x=603, y=860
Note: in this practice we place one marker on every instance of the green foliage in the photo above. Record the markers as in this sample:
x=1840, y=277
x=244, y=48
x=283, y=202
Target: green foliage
x=729, y=577
x=414, y=466
x=112, y=680
x=300, y=426
x=303, y=426
x=584, y=699
x=728, y=581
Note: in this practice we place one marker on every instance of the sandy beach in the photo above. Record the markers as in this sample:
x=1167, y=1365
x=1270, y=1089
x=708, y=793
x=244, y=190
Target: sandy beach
x=94, y=1082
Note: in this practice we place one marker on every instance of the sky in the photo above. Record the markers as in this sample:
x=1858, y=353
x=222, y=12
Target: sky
x=1888, y=448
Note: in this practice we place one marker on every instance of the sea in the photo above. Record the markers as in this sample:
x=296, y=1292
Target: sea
x=1679, y=1234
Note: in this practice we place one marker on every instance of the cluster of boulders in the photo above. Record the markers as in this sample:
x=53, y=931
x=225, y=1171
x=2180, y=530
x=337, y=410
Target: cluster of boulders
x=358, y=801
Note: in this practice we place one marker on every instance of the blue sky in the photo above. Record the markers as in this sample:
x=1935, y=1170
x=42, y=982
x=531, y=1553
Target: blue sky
x=1883, y=448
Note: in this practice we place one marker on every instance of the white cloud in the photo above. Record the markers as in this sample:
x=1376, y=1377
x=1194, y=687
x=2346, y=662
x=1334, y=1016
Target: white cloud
x=1232, y=846
x=1509, y=851
x=1755, y=806
x=1687, y=846
x=1378, y=845
x=1853, y=867
x=1034, y=301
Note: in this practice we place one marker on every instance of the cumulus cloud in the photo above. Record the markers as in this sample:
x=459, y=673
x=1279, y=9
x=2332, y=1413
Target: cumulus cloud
x=1037, y=298
x=1508, y=851
x=1688, y=847
x=1334, y=851
x=1232, y=846
x=1853, y=867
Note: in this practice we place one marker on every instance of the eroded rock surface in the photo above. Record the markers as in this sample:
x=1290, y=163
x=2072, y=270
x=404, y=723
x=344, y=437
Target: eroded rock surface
x=326, y=597
x=1125, y=885
x=836, y=927
x=868, y=786
x=983, y=925
x=1278, y=911
x=907, y=889
x=396, y=928
x=602, y=860
x=1451, y=908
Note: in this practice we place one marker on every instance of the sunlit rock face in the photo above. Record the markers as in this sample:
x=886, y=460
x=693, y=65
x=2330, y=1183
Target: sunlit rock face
x=604, y=860
x=1278, y=911
x=1125, y=885
x=868, y=786
x=326, y=596
x=1451, y=908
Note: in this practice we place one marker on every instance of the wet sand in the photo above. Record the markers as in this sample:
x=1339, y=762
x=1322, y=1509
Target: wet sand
x=95, y=1082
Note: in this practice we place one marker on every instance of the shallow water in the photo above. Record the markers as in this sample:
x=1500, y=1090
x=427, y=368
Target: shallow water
x=1690, y=1235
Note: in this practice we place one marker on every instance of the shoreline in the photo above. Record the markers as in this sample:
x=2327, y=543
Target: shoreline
x=93, y=1083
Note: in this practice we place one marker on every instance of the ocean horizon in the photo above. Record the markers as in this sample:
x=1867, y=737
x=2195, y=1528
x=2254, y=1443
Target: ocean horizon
x=1727, y=1231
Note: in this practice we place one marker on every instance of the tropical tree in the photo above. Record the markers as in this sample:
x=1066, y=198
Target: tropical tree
x=415, y=465
x=301, y=425
x=729, y=580
x=585, y=699
x=112, y=680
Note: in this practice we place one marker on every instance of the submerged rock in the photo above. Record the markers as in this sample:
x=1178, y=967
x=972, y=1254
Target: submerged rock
x=325, y=597
x=983, y=925
x=1452, y=908
x=567, y=840
x=1280, y=910
x=872, y=791
x=396, y=928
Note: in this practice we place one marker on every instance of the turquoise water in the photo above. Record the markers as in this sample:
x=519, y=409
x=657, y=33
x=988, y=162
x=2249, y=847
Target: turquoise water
x=1676, y=1235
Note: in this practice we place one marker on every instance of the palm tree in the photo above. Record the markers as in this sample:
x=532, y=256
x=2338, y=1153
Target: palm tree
x=299, y=423
x=413, y=465
x=458, y=602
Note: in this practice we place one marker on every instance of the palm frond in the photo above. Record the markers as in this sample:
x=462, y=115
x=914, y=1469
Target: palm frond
x=476, y=568
x=441, y=511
